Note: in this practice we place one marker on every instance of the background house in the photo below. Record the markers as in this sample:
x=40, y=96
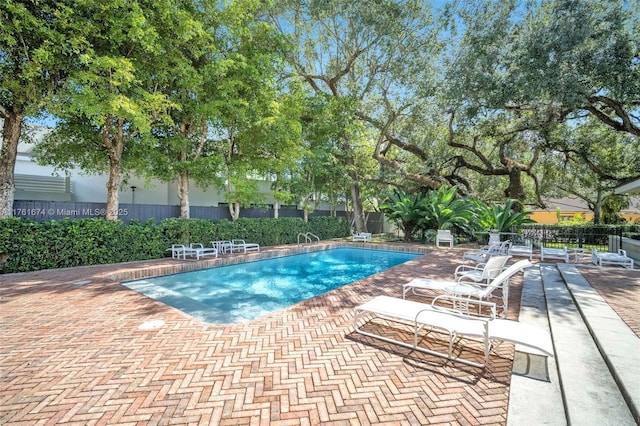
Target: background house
x=567, y=208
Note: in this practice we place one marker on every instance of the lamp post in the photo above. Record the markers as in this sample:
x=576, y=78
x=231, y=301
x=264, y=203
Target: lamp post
x=133, y=194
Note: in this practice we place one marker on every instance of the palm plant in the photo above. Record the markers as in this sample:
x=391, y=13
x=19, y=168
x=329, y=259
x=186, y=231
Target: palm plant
x=417, y=214
x=501, y=218
x=442, y=209
x=404, y=210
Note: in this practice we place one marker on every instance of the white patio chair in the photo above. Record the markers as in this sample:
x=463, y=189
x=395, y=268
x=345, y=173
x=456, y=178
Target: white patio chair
x=619, y=259
x=482, y=271
x=554, y=253
x=364, y=237
x=487, y=333
x=243, y=247
x=525, y=249
x=469, y=291
x=444, y=236
x=482, y=254
x=223, y=246
x=198, y=250
x=178, y=251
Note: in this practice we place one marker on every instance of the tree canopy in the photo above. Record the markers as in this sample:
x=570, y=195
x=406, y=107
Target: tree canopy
x=337, y=101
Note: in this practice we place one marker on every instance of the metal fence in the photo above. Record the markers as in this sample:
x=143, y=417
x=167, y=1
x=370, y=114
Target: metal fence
x=48, y=210
x=571, y=236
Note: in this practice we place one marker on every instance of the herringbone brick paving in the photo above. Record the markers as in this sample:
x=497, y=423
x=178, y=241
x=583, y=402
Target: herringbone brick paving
x=74, y=353
x=621, y=289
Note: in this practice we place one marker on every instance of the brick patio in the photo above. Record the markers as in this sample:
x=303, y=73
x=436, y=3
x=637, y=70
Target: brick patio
x=73, y=352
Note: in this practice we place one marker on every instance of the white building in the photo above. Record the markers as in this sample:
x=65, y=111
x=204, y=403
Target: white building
x=43, y=183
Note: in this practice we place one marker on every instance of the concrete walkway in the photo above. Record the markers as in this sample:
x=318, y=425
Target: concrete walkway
x=595, y=376
x=617, y=343
x=548, y=408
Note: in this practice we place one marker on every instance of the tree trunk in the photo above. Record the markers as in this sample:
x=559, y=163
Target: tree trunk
x=183, y=193
x=234, y=210
x=597, y=208
x=276, y=209
x=113, y=191
x=358, y=211
x=408, y=232
x=114, y=143
x=10, y=137
x=515, y=189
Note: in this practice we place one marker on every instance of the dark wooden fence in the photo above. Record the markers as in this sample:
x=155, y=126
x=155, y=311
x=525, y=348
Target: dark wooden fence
x=47, y=210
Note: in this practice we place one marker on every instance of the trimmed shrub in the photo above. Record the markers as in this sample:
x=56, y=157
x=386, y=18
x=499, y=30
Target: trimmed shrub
x=27, y=245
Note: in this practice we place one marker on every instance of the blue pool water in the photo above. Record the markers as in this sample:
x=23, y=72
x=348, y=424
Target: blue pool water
x=236, y=293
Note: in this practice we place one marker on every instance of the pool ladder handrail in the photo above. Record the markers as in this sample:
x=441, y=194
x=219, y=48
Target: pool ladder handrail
x=307, y=237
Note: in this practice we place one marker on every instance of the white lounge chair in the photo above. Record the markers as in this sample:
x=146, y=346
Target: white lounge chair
x=482, y=254
x=198, y=250
x=469, y=291
x=482, y=271
x=554, y=253
x=223, y=246
x=243, y=247
x=522, y=250
x=489, y=331
x=621, y=259
x=178, y=251
x=444, y=236
x=364, y=237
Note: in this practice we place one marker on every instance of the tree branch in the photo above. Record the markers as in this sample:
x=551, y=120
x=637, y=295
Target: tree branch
x=626, y=124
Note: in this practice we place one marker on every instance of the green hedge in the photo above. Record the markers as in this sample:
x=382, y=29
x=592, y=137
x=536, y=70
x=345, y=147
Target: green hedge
x=27, y=245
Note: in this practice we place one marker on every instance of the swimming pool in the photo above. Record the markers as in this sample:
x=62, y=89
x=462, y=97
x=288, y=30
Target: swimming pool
x=245, y=291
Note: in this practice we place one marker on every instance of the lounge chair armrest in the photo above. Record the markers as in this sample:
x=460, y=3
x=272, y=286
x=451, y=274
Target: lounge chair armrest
x=453, y=299
x=466, y=268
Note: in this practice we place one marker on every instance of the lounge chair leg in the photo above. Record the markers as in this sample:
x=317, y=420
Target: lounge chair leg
x=452, y=337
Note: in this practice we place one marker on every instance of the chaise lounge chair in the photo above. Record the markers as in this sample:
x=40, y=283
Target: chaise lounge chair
x=197, y=250
x=522, y=250
x=482, y=254
x=620, y=258
x=469, y=291
x=243, y=247
x=482, y=271
x=178, y=251
x=489, y=331
x=364, y=237
x=554, y=253
x=223, y=246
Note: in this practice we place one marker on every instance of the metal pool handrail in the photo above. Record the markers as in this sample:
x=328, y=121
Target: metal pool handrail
x=307, y=237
